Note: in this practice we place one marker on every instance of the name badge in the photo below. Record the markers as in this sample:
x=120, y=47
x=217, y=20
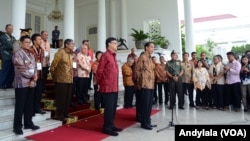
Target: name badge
x=39, y=66
x=32, y=71
x=74, y=65
x=46, y=53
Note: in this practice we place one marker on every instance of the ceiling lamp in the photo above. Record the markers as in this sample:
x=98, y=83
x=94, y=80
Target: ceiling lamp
x=55, y=15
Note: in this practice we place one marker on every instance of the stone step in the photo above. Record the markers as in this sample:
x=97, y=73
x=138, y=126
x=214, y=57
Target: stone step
x=7, y=110
x=7, y=92
x=7, y=100
x=6, y=122
x=8, y=135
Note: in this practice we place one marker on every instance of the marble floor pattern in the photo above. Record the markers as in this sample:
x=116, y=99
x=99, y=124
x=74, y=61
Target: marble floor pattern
x=188, y=116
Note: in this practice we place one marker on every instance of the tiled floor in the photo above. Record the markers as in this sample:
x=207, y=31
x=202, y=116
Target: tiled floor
x=186, y=116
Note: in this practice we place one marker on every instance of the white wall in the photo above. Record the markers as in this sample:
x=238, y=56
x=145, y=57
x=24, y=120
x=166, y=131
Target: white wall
x=5, y=13
x=166, y=11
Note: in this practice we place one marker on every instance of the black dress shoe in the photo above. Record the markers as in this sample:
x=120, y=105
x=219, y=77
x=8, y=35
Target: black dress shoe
x=152, y=125
x=68, y=116
x=181, y=108
x=111, y=133
x=146, y=127
x=34, y=127
x=117, y=129
x=18, y=131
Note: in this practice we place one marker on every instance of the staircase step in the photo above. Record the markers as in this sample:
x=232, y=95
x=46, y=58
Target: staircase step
x=7, y=110
x=7, y=100
x=7, y=92
x=6, y=122
x=8, y=135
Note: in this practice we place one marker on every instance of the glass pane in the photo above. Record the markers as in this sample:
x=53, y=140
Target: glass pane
x=28, y=20
x=37, y=20
x=154, y=27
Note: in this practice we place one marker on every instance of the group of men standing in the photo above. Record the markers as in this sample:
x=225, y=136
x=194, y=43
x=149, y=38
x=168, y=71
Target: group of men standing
x=25, y=64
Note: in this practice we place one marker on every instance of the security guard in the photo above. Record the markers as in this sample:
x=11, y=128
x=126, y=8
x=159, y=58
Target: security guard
x=175, y=71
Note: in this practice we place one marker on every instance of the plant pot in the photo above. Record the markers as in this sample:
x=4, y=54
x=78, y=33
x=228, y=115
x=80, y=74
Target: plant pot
x=139, y=44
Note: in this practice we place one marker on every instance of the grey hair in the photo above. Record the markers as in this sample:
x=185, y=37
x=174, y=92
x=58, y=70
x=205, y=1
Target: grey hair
x=130, y=59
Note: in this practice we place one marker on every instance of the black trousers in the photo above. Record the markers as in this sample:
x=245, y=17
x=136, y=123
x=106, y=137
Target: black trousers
x=188, y=88
x=155, y=97
x=146, y=105
x=45, y=71
x=175, y=87
x=218, y=95
x=202, y=97
x=90, y=79
x=97, y=98
x=82, y=90
x=38, y=95
x=7, y=74
x=110, y=102
x=23, y=107
x=63, y=96
x=233, y=95
x=165, y=86
x=138, y=104
x=128, y=96
x=74, y=89
x=55, y=43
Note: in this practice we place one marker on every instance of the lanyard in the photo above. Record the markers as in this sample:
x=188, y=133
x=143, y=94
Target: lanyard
x=26, y=55
x=38, y=53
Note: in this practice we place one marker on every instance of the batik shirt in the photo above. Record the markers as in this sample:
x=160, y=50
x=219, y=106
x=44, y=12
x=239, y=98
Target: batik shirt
x=25, y=68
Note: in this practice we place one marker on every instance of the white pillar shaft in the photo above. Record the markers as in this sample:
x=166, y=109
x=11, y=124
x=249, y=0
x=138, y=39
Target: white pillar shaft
x=18, y=16
x=69, y=18
x=190, y=46
x=101, y=25
x=113, y=18
x=124, y=19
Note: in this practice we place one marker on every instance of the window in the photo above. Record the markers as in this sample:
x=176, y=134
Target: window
x=153, y=27
x=28, y=20
x=35, y=21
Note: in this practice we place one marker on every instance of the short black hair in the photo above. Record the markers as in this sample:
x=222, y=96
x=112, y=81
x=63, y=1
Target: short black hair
x=185, y=53
x=24, y=37
x=247, y=51
x=43, y=31
x=97, y=53
x=109, y=40
x=34, y=36
x=230, y=53
x=7, y=25
x=84, y=41
x=67, y=41
x=147, y=45
x=193, y=53
x=218, y=55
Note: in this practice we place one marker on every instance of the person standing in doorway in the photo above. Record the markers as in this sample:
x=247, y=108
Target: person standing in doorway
x=145, y=75
x=107, y=78
x=6, y=48
x=55, y=37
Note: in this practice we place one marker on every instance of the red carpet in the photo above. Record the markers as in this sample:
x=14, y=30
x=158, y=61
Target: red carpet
x=87, y=129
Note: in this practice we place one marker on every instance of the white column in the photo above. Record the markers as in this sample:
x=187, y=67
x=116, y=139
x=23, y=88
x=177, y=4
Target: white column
x=188, y=16
x=124, y=19
x=69, y=18
x=113, y=18
x=101, y=28
x=18, y=16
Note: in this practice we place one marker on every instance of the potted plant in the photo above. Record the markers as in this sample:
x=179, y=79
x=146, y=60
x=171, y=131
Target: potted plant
x=139, y=36
x=160, y=41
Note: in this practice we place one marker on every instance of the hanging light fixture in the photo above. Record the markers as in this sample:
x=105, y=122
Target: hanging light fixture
x=55, y=15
